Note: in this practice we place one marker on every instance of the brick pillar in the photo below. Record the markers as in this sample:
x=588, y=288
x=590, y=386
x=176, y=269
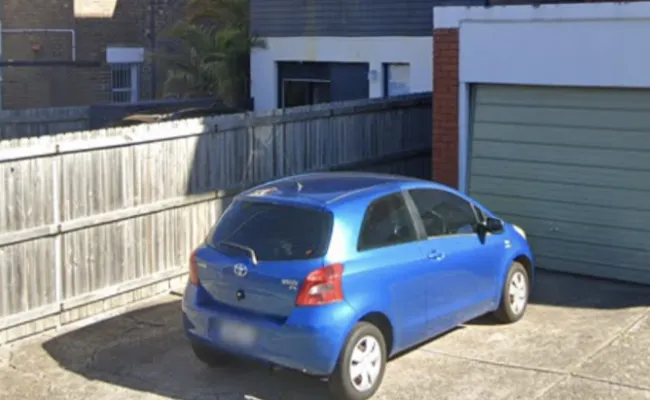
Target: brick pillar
x=445, y=106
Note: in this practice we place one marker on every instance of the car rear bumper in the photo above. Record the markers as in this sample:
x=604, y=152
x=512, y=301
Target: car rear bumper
x=309, y=340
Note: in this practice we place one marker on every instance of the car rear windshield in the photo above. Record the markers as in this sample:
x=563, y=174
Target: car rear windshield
x=274, y=232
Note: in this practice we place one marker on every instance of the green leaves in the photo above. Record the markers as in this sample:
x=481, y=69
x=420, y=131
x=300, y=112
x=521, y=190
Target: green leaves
x=233, y=13
x=217, y=45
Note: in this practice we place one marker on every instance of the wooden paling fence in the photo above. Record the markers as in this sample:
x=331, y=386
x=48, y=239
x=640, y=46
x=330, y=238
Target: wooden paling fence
x=16, y=124
x=92, y=221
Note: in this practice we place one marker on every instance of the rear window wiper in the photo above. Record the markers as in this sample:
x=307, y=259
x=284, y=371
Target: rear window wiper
x=247, y=249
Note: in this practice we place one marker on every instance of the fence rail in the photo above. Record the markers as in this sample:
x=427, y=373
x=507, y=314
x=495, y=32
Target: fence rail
x=90, y=216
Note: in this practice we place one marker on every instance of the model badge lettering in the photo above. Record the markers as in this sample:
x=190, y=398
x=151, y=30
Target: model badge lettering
x=292, y=284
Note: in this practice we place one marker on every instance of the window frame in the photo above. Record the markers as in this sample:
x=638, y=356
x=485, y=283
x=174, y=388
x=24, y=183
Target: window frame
x=387, y=74
x=479, y=215
x=133, y=89
x=417, y=228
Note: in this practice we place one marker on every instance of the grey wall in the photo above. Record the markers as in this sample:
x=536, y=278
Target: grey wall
x=282, y=18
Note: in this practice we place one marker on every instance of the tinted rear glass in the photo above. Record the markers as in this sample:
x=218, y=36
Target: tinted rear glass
x=274, y=231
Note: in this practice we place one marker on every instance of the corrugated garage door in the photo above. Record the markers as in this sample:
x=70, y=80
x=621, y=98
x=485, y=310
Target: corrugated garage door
x=572, y=167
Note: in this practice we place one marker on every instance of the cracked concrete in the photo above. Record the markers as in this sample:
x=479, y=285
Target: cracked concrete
x=581, y=339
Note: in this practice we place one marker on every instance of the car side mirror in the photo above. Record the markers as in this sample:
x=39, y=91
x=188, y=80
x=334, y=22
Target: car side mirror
x=492, y=225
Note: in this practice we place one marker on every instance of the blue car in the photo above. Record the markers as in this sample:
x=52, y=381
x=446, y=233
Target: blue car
x=331, y=274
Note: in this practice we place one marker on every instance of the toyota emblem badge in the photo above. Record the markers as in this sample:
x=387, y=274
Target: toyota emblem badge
x=240, y=270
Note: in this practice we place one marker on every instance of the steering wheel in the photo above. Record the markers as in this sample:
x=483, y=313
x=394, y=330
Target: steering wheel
x=431, y=213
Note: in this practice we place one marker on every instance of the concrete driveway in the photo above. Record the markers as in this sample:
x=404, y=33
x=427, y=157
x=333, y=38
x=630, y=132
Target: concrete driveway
x=581, y=339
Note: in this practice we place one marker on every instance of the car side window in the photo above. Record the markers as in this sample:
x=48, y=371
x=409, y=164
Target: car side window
x=387, y=222
x=443, y=213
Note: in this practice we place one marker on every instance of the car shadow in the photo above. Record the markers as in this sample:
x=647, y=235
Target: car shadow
x=405, y=352
x=575, y=291
x=146, y=351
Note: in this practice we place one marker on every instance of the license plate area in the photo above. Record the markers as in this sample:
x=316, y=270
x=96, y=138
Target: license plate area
x=237, y=334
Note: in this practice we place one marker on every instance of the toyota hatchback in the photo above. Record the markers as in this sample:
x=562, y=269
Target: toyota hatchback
x=333, y=273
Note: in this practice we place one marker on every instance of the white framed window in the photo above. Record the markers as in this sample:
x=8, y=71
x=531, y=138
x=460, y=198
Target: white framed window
x=125, y=83
x=126, y=66
x=397, y=79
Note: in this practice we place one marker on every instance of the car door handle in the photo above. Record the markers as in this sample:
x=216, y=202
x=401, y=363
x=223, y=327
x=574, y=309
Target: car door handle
x=436, y=255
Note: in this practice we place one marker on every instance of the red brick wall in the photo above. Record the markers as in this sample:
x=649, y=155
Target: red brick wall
x=445, y=106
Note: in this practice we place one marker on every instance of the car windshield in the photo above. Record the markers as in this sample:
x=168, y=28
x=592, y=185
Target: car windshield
x=272, y=231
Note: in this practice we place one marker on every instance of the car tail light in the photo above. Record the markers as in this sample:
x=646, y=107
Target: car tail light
x=194, y=273
x=322, y=286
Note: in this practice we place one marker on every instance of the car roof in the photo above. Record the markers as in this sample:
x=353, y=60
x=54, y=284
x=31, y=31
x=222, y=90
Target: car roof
x=326, y=188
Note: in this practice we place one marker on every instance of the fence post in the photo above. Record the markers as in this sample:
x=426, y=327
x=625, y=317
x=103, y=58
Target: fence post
x=274, y=149
x=57, y=193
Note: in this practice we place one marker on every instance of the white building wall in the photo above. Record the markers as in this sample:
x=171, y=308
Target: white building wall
x=416, y=51
x=591, y=44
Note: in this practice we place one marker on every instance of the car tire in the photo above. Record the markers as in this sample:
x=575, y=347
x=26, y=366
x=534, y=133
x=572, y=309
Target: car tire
x=211, y=357
x=514, y=295
x=365, y=337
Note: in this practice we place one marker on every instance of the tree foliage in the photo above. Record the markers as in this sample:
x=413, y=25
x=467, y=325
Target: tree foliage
x=217, y=45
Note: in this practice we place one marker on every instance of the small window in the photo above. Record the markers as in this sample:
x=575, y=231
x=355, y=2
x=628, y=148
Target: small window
x=443, y=213
x=124, y=82
x=275, y=232
x=397, y=79
x=387, y=222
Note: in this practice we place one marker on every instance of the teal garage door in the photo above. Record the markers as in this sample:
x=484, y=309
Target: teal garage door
x=572, y=167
